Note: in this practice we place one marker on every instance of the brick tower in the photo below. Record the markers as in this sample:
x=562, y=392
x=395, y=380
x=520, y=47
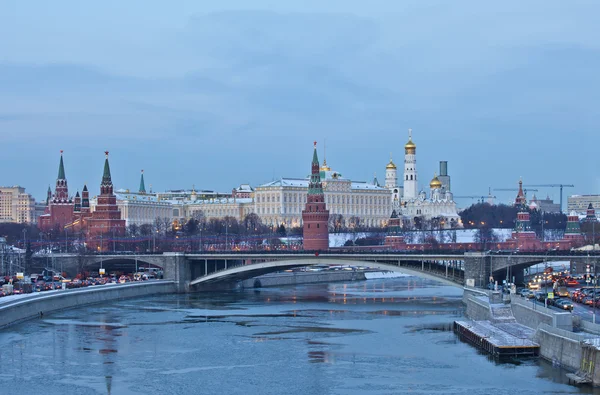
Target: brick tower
x=315, y=216
x=60, y=206
x=106, y=218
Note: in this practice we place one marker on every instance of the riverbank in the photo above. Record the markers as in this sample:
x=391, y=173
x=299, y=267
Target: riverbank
x=23, y=307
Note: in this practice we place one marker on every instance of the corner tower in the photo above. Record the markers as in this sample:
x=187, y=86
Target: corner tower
x=410, y=169
x=315, y=216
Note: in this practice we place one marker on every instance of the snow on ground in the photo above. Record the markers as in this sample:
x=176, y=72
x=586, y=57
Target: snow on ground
x=338, y=239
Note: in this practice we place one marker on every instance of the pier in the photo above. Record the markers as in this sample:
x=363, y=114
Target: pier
x=498, y=339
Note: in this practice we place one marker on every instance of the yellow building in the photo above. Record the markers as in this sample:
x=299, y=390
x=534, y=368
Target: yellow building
x=16, y=205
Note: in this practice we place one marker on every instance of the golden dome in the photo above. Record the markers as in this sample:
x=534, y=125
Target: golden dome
x=324, y=167
x=410, y=144
x=391, y=165
x=435, y=182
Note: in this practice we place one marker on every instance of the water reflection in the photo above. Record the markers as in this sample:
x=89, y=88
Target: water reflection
x=373, y=337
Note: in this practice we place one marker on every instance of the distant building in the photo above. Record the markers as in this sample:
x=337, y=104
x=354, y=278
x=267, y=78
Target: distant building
x=580, y=203
x=544, y=205
x=16, y=205
x=244, y=191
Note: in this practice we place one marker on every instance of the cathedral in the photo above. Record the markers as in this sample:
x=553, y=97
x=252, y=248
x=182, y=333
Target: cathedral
x=414, y=206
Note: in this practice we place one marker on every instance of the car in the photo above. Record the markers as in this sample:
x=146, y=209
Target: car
x=525, y=293
x=541, y=296
x=564, y=304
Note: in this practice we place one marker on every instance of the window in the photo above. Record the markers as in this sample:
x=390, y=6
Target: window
x=318, y=225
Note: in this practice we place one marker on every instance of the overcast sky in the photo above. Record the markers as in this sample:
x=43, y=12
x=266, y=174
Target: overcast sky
x=219, y=93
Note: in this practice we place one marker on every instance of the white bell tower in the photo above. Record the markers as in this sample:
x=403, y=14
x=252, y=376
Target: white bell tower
x=410, y=169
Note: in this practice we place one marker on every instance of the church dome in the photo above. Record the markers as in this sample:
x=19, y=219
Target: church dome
x=391, y=165
x=435, y=182
x=324, y=167
x=410, y=144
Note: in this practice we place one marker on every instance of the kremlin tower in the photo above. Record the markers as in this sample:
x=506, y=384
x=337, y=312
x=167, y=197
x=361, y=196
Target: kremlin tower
x=520, y=200
x=411, y=190
x=59, y=211
x=315, y=216
x=106, y=218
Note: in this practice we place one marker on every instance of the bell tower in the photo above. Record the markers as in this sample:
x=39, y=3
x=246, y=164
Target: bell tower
x=410, y=169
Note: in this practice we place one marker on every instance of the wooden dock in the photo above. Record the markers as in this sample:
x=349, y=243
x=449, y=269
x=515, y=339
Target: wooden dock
x=498, y=339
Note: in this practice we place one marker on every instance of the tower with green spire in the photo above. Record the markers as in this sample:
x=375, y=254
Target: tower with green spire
x=48, y=196
x=61, y=192
x=315, y=216
x=106, y=218
x=142, y=184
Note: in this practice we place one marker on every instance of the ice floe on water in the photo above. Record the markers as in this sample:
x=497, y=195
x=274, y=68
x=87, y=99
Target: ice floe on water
x=377, y=275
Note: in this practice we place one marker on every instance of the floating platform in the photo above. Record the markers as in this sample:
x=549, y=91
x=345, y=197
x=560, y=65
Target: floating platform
x=498, y=339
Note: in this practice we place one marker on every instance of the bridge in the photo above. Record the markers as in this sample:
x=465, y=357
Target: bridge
x=196, y=270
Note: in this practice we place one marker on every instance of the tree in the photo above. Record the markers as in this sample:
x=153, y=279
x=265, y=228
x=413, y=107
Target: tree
x=336, y=223
x=133, y=230
x=252, y=224
x=355, y=223
x=281, y=231
x=145, y=229
x=495, y=216
x=191, y=227
x=484, y=236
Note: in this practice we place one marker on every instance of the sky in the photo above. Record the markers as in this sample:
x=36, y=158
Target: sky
x=214, y=94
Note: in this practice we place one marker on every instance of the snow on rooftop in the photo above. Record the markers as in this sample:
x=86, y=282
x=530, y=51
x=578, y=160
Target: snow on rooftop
x=303, y=182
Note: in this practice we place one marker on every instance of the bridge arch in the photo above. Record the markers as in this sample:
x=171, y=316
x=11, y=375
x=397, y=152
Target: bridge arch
x=126, y=264
x=246, y=271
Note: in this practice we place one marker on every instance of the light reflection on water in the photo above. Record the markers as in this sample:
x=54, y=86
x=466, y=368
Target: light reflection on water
x=373, y=337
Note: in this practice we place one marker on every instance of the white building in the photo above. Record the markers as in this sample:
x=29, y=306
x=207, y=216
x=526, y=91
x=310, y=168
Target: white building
x=580, y=203
x=139, y=209
x=282, y=201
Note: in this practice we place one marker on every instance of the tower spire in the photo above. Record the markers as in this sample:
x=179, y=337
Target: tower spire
x=107, y=186
x=315, y=187
x=142, y=184
x=106, y=176
x=61, y=168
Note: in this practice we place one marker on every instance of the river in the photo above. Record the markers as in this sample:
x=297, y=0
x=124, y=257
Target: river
x=389, y=336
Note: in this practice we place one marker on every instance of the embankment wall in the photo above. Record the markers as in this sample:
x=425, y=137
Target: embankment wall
x=533, y=315
x=560, y=346
x=30, y=306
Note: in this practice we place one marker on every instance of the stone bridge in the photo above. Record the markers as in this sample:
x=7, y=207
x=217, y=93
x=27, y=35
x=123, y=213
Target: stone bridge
x=193, y=271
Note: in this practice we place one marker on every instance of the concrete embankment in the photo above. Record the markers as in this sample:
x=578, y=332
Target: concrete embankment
x=25, y=307
x=558, y=343
x=296, y=278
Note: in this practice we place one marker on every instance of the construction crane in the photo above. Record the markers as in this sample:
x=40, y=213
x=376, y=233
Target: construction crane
x=480, y=197
x=515, y=189
x=525, y=190
x=561, y=186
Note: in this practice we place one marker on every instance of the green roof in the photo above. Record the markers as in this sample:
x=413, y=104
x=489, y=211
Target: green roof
x=142, y=184
x=106, y=175
x=61, y=169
